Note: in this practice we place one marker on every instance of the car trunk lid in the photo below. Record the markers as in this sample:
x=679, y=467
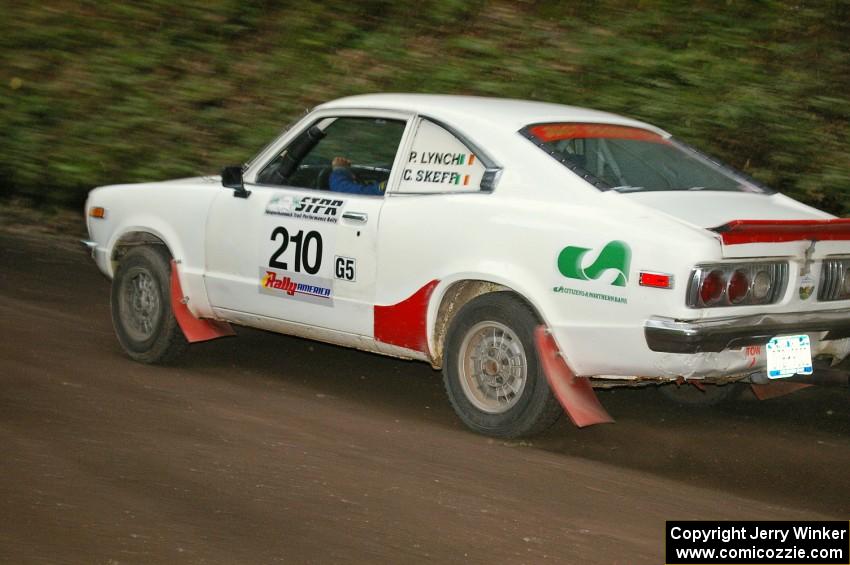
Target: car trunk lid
x=753, y=225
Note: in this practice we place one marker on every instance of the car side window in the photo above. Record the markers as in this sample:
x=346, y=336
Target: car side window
x=345, y=154
x=439, y=162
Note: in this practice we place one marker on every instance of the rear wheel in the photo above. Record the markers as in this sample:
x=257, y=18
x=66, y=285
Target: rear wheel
x=141, y=306
x=491, y=371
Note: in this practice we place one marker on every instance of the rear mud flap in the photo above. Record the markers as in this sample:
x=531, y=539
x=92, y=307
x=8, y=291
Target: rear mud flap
x=773, y=390
x=195, y=329
x=574, y=393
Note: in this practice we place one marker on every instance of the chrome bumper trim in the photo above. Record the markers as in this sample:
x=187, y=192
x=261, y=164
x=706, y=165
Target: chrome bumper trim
x=90, y=246
x=667, y=335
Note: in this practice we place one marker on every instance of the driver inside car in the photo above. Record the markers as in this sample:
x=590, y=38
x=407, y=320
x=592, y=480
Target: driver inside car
x=342, y=180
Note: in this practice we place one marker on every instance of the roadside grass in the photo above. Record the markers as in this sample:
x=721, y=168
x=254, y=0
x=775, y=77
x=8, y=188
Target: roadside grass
x=96, y=93
x=23, y=217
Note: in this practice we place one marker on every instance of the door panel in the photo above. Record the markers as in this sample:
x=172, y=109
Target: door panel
x=279, y=259
x=307, y=254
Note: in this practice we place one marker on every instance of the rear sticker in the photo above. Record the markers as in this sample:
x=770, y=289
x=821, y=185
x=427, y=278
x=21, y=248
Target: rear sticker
x=807, y=286
x=610, y=266
x=594, y=295
x=615, y=256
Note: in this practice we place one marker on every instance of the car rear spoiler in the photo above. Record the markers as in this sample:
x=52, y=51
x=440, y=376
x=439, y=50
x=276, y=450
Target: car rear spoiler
x=774, y=231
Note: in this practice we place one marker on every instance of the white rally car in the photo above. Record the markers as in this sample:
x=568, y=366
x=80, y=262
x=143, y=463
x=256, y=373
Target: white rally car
x=532, y=251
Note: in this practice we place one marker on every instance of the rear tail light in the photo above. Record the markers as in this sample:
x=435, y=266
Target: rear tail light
x=737, y=284
x=762, y=285
x=738, y=287
x=835, y=280
x=711, y=287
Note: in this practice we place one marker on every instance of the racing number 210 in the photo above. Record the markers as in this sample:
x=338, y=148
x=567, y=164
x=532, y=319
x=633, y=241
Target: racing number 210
x=302, y=243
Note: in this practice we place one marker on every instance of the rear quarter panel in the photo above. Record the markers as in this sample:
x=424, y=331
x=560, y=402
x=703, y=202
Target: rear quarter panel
x=513, y=237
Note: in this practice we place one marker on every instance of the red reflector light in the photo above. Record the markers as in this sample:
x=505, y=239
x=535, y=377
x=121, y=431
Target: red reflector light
x=712, y=287
x=97, y=212
x=655, y=280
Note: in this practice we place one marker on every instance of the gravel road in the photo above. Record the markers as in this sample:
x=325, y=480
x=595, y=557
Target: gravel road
x=264, y=449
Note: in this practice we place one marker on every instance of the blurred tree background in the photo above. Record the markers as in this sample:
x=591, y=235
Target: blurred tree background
x=96, y=92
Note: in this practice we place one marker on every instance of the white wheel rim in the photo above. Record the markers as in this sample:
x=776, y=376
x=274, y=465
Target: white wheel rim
x=493, y=367
x=140, y=304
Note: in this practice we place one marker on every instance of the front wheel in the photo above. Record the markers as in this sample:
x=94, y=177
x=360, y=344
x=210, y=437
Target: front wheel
x=141, y=307
x=491, y=370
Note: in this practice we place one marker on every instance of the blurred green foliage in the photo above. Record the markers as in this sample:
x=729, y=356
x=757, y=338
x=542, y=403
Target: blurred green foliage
x=94, y=92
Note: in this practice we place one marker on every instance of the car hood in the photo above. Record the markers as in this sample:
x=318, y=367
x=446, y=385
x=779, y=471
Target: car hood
x=187, y=180
x=710, y=209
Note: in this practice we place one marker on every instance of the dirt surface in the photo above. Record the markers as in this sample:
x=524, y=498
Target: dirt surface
x=262, y=448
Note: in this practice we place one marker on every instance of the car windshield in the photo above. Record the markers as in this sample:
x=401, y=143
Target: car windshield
x=629, y=159
x=260, y=153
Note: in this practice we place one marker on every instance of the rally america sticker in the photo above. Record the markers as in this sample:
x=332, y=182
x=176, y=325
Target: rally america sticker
x=283, y=284
x=306, y=207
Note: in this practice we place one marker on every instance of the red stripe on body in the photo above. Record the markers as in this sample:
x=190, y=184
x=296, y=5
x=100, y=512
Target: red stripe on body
x=738, y=232
x=405, y=324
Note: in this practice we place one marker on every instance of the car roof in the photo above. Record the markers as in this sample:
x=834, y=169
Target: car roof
x=471, y=111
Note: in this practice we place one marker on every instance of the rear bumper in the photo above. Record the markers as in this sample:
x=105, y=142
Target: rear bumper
x=668, y=335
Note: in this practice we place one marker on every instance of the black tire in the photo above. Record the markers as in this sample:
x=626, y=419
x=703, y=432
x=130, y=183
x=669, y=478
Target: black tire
x=530, y=410
x=689, y=395
x=141, y=306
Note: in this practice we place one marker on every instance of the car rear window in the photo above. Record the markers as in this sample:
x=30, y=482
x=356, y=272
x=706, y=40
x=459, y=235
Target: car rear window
x=630, y=159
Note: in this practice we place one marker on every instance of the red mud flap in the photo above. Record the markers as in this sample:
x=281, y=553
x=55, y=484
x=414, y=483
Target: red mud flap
x=773, y=390
x=193, y=328
x=574, y=393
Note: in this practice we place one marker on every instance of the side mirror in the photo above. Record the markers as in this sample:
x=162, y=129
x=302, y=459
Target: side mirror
x=231, y=177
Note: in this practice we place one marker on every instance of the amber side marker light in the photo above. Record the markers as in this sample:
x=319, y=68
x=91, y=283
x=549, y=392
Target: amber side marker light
x=97, y=212
x=655, y=280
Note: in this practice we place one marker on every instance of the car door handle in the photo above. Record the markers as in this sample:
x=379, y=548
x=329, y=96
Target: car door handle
x=359, y=217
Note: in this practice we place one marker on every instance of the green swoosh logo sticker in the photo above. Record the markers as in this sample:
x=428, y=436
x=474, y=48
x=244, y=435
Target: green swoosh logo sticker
x=615, y=255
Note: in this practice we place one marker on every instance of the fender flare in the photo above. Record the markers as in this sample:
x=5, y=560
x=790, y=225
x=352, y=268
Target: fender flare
x=437, y=327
